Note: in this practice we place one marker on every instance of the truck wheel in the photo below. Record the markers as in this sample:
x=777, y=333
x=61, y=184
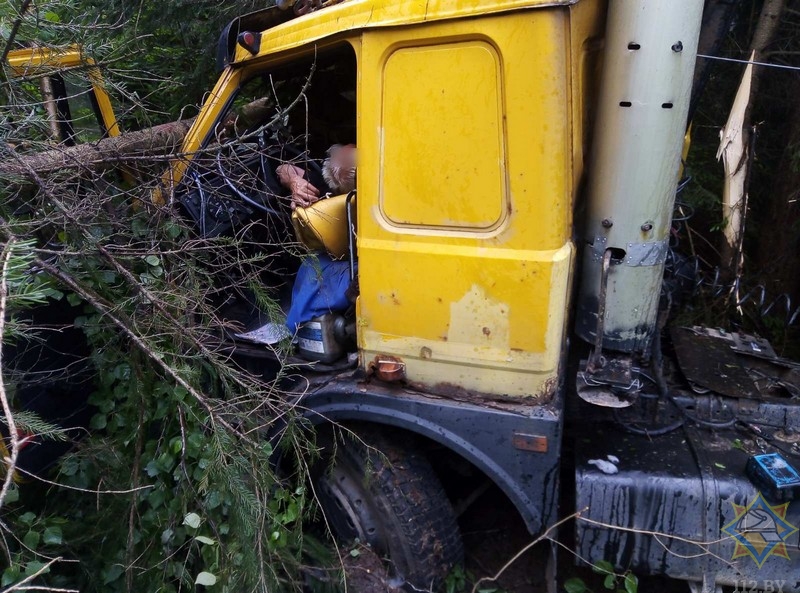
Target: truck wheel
x=387, y=496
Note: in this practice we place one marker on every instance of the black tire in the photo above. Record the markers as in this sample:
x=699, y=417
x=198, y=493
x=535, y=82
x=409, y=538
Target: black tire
x=386, y=495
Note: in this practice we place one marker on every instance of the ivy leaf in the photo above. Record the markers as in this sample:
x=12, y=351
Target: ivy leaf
x=631, y=583
x=10, y=575
x=98, y=422
x=205, y=578
x=152, y=468
x=31, y=539
x=575, y=585
x=192, y=520
x=12, y=495
x=53, y=536
x=34, y=566
x=603, y=567
x=27, y=518
x=112, y=573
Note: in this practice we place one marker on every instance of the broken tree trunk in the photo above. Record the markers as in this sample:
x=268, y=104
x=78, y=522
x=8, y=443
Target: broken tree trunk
x=129, y=147
x=733, y=152
x=110, y=152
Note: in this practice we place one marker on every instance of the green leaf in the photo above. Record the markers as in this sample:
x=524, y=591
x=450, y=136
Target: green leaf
x=213, y=500
x=108, y=277
x=172, y=229
x=192, y=520
x=73, y=299
x=34, y=566
x=603, y=567
x=610, y=581
x=354, y=553
x=52, y=17
x=98, y=422
x=10, y=576
x=631, y=583
x=205, y=578
x=53, y=536
x=290, y=514
x=176, y=445
x=152, y=260
x=27, y=518
x=575, y=585
x=31, y=539
x=205, y=540
x=12, y=495
x=152, y=468
x=112, y=573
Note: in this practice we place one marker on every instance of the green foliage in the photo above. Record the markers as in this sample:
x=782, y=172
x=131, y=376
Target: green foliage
x=461, y=580
x=186, y=495
x=611, y=581
x=173, y=484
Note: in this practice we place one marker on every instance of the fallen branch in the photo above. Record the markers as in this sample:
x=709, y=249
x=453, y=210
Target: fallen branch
x=103, y=154
x=11, y=460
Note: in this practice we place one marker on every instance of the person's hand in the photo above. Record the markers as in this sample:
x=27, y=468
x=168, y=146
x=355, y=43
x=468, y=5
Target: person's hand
x=303, y=192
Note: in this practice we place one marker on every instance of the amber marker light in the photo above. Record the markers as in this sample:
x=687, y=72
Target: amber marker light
x=388, y=368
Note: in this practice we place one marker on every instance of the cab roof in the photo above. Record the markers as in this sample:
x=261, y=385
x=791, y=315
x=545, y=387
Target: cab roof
x=278, y=29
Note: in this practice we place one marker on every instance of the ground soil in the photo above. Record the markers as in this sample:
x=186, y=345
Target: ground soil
x=366, y=573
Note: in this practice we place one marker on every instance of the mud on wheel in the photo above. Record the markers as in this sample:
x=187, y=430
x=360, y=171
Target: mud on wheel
x=377, y=487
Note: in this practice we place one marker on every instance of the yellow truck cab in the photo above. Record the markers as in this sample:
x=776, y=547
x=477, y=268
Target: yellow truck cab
x=470, y=135
x=517, y=162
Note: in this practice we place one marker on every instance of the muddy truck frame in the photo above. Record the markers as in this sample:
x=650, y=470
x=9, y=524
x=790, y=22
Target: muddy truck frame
x=505, y=252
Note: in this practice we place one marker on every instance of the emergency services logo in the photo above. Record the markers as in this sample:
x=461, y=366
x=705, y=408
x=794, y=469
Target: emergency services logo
x=760, y=530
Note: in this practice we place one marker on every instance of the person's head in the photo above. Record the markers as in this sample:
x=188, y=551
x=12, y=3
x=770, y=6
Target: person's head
x=339, y=169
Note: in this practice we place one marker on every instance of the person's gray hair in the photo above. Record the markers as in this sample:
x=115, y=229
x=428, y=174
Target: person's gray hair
x=339, y=169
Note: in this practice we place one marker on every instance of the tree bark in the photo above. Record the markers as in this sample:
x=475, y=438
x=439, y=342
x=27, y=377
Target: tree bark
x=768, y=22
x=733, y=151
x=718, y=16
x=109, y=152
x=779, y=239
x=737, y=176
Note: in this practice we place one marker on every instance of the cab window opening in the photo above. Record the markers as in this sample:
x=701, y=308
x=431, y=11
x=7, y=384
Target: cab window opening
x=284, y=141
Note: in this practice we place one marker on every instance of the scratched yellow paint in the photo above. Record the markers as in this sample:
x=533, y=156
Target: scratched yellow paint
x=465, y=198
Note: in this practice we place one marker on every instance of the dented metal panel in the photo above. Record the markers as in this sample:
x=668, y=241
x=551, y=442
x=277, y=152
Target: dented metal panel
x=465, y=199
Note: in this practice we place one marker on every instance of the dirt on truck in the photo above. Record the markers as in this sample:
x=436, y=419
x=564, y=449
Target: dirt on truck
x=470, y=206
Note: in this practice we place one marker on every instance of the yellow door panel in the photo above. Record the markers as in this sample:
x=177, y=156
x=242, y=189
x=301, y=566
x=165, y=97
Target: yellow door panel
x=424, y=90
x=465, y=200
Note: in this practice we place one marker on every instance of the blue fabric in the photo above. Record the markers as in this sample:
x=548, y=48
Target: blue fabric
x=319, y=288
